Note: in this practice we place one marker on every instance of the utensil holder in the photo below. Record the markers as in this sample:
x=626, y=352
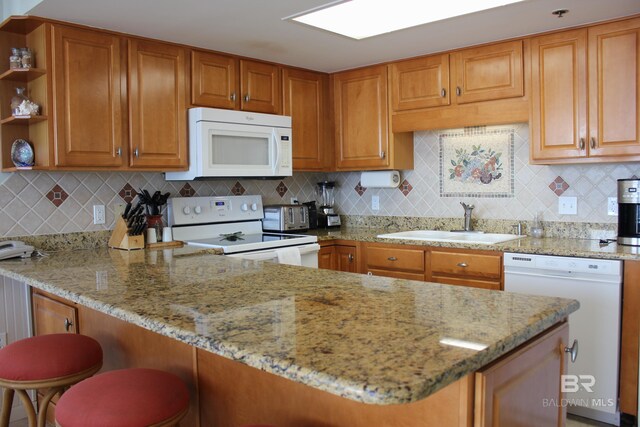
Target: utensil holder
x=120, y=238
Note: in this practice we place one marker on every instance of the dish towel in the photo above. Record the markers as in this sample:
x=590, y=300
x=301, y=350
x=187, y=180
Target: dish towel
x=289, y=256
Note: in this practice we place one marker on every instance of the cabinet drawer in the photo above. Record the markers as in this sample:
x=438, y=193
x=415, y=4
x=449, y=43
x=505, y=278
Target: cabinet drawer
x=396, y=274
x=53, y=317
x=466, y=265
x=473, y=283
x=395, y=259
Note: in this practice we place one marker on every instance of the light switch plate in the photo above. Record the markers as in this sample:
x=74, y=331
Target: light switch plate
x=612, y=206
x=375, y=203
x=567, y=205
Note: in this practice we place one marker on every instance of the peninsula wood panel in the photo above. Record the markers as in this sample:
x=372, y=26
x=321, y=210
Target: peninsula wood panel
x=420, y=83
x=629, y=343
x=157, y=105
x=305, y=97
x=260, y=87
x=88, y=98
x=215, y=80
x=559, y=95
x=614, y=89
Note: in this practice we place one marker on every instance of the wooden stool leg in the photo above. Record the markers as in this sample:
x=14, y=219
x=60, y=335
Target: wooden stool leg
x=44, y=405
x=7, y=403
x=28, y=407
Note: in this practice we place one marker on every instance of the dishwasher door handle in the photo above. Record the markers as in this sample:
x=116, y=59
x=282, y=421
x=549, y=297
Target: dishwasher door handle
x=573, y=351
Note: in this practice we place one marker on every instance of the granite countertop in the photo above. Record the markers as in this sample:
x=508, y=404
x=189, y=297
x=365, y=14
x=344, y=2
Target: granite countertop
x=371, y=339
x=589, y=248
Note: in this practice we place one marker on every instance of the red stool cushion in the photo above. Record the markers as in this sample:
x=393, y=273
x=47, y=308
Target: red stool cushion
x=123, y=398
x=48, y=356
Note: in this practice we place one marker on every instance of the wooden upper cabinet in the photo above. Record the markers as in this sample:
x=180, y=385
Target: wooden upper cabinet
x=420, y=83
x=304, y=101
x=489, y=72
x=614, y=85
x=88, y=98
x=260, y=87
x=157, y=105
x=214, y=80
x=559, y=95
x=362, y=136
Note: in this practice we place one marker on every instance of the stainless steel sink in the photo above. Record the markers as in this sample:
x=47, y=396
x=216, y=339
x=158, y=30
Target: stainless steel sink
x=452, y=236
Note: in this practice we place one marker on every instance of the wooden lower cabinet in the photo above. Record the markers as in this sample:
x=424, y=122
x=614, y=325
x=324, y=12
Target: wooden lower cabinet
x=327, y=257
x=52, y=316
x=339, y=255
x=523, y=388
x=629, y=344
x=479, y=269
x=402, y=262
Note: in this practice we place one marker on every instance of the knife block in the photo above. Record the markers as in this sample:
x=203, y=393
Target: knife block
x=120, y=238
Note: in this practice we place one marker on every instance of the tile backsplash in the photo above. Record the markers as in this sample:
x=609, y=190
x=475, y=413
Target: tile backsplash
x=36, y=203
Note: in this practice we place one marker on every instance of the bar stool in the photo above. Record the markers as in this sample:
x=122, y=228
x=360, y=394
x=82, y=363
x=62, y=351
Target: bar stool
x=52, y=362
x=134, y=397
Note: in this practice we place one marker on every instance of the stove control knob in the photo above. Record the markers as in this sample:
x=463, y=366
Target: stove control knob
x=197, y=210
x=186, y=210
x=244, y=207
x=254, y=206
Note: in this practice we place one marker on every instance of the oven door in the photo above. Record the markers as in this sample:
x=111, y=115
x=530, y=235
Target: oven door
x=308, y=255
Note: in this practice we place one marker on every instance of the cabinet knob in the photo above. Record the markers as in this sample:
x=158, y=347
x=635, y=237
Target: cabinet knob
x=247, y=98
x=233, y=96
x=573, y=350
x=463, y=264
x=383, y=154
x=458, y=91
x=369, y=273
x=593, y=142
x=136, y=152
x=443, y=92
x=119, y=151
x=392, y=258
x=350, y=257
x=67, y=324
x=582, y=143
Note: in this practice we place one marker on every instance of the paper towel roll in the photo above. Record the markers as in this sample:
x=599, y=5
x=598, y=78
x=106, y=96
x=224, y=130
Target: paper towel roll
x=380, y=179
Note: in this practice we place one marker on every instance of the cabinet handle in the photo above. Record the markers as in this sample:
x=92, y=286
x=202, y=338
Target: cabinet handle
x=582, y=143
x=593, y=142
x=119, y=151
x=369, y=273
x=350, y=257
x=458, y=91
x=463, y=264
x=443, y=92
x=392, y=258
x=573, y=350
x=247, y=98
x=67, y=324
x=233, y=96
x=136, y=153
x=383, y=154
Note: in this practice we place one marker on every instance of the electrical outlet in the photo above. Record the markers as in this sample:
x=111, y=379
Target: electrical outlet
x=98, y=214
x=3, y=339
x=118, y=209
x=612, y=206
x=375, y=203
x=294, y=200
x=567, y=205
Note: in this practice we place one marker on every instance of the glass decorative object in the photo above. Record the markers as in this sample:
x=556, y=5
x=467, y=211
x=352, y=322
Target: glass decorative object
x=21, y=105
x=22, y=153
x=15, y=60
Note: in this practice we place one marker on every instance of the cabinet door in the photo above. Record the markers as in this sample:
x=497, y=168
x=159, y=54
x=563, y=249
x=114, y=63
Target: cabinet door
x=346, y=258
x=214, y=80
x=559, y=96
x=420, y=83
x=157, y=105
x=489, y=72
x=304, y=101
x=360, y=107
x=53, y=317
x=88, y=98
x=260, y=87
x=327, y=257
x=614, y=80
x=513, y=390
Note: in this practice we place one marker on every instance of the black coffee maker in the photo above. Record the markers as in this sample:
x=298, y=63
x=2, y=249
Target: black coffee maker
x=629, y=212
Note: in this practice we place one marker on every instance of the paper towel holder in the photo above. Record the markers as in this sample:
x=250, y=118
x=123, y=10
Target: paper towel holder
x=380, y=179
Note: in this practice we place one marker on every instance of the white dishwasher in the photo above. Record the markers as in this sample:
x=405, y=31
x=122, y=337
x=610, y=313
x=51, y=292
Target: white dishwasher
x=592, y=388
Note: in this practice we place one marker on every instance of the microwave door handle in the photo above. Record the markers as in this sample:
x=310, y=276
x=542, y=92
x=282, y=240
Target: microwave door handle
x=276, y=149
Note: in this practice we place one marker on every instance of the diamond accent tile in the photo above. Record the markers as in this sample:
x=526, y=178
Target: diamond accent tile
x=281, y=189
x=128, y=193
x=57, y=195
x=559, y=186
x=360, y=189
x=405, y=188
x=237, y=189
x=187, y=190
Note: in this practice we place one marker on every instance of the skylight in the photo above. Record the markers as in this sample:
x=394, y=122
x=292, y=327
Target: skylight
x=360, y=19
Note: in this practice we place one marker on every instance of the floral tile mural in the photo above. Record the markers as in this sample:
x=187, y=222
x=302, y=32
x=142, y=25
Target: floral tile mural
x=477, y=163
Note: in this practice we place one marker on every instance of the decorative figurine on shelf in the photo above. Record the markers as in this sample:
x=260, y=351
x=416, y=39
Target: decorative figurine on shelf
x=22, y=154
x=21, y=106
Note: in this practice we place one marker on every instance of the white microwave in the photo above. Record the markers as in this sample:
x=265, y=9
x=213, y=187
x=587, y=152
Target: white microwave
x=229, y=143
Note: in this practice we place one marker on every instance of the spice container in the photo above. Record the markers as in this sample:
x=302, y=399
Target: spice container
x=15, y=61
x=25, y=57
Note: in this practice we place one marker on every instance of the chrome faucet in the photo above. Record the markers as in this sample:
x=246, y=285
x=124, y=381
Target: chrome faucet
x=468, y=209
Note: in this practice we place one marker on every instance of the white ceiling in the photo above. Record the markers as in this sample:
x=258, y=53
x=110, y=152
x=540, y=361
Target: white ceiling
x=254, y=28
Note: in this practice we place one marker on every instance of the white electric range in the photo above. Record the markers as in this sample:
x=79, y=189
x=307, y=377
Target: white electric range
x=234, y=225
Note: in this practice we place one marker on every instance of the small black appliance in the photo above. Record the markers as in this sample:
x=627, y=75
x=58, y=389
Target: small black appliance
x=629, y=212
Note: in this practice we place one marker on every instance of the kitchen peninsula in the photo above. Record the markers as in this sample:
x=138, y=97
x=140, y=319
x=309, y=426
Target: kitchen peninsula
x=293, y=346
